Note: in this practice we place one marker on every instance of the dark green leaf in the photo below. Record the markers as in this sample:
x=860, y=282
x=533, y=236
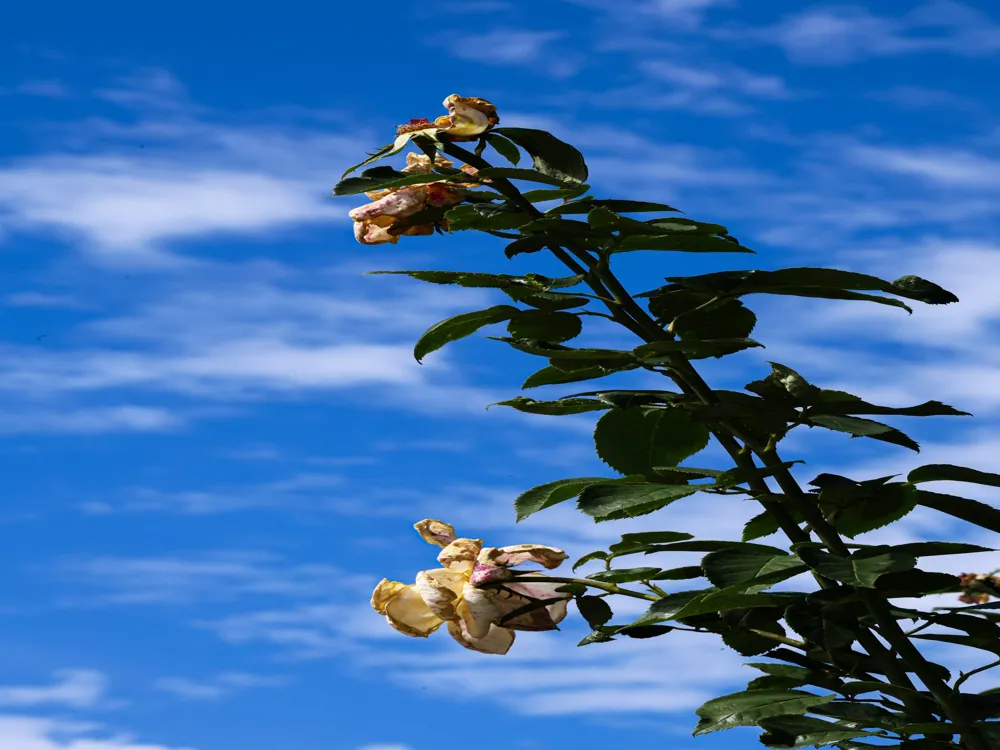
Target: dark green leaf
x=530, y=175
x=645, y=631
x=805, y=731
x=465, y=279
x=635, y=440
x=860, y=569
x=972, y=511
x=557, y=408
x=685, y=573
x=926, y=409
x=484, y=216
x=598, y=636
x=861, y=715
x=693, y=349
x=625, y=575
x=459, y=327
x=551, y=156
x=952, y=473
x=750, y=564
x=595, y=610
x=929, y=549
x=819, y=625
x=608, y=502
x=554, y=375
x=589, y=557
x=679, y=242
x=749, y=708
x=664, y=609
x=555, y=194
x=723, y=601
x=920, y=289
x=531, y=244
x=505, y=148
x=618, y=206
x=857, y=427
x=552, y=493
x=553, y=327
x=875, y=511
x=802, y=675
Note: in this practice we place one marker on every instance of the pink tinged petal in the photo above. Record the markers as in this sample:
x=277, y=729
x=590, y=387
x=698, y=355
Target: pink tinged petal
x=460, y=555
x=440, y=589
x=496, y=641
x=477, y=610
x=547, y=557
x=558, y=610
x=407, y=612
x=401, y=203
x=372, y=233
x=537, y=619
x=483, y=574
x=435, y=532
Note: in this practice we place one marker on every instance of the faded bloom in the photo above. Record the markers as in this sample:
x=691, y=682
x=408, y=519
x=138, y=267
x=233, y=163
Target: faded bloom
x=468, y=118
x=978, y=587
x=452, y=594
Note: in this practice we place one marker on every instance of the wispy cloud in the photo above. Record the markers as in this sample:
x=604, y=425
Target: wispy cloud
x=218, y=687
x=838, y=34
x=74, y=688
x=37, y=733
x=89, y=420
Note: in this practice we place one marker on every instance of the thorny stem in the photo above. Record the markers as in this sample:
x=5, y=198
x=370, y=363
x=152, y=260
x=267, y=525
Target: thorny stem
x=627, y=311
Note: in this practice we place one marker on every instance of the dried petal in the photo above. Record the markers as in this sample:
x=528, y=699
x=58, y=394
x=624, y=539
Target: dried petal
x=375, y=231
x=478, y=610
x=460, y=555
x=547, y=557
x=483, y=574
x=384, y=591
x=407, y=612
x=440, y=589
x=435, y=532
x=496, y=641
x=421, y=163
x=469, y=116
x=400, y=203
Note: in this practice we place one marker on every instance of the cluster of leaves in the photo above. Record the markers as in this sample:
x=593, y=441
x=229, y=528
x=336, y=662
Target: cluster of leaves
x=839, y=668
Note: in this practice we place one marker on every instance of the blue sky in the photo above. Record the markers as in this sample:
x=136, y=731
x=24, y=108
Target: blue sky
x=214, y=439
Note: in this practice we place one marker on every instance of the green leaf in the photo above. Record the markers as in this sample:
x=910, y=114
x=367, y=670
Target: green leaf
x=385, y=151
x=952, y=473
x=972, y=511
x=459, y=327
x=556, y=376
x=531, y=244
x=685, y=573
x=554, y=408
x=529, y=175
x=852, y=406
x=860, y=569
x=679, y=242
x=589, y=557
x=608, y=502
x=642, y=540
x=618, y=206
x=857, y=427
x=598, y=636
x=693, y=349
x=805, y=731
x=635, y=440
x=664, y=609
x=552, y=327
x=802, y=675
x=625, y=575
x=645, y=631
x=543, y=299
x=820, y=625
x=551, y=156
x=546, y=495
x=929, y=549
x=556, y=194
x=750, y=707
x=466, y=279
x=920, y=289
x=595, y=610
x=861, y=715
x=883, y=507
x=761, y=566
x=504, y=147
x=485, y=216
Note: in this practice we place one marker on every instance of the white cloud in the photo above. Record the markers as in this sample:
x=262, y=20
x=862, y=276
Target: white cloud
x=209, y=577
x=35, y=733
x=385, y=747
x=76, y=688
x=840, y=34
x=217, y=687
x=945, y=167
x=89, y=420
x=179, y=173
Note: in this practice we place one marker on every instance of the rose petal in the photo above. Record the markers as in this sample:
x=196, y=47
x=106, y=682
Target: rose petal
x=407, y=612
x=385, y=591
x=536, y=619
x=375, y=231
x=496, y=641
x=460, y=555
x=477, y=610
x=421, y=163
x=435, y=532
x=469, y=116
x=440, y=589
x=547, y=557
x=401, y=203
